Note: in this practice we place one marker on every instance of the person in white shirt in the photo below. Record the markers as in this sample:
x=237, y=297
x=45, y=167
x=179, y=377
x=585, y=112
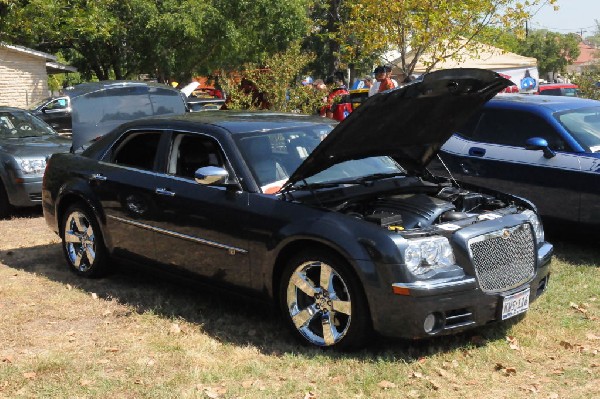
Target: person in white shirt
x=379, y=72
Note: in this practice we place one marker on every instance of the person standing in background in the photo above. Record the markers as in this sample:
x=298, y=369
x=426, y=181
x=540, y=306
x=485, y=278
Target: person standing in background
x=379, y=73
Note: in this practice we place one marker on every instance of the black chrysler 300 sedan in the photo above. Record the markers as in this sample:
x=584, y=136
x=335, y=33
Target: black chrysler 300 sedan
x=344, y=229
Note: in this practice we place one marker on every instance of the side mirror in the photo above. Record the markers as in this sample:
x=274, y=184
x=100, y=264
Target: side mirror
x=208, y=175
x=538, y=143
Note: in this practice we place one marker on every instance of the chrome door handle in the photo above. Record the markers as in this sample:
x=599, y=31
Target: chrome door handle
x=97, y=177
x=164, y=191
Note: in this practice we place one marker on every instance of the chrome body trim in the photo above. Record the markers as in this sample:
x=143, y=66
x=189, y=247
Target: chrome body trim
x=434, y=287
x=230, y=249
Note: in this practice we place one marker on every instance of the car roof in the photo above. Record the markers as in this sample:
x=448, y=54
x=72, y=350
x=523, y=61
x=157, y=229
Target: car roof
x=12, y=109
x=90, y=87
x=557, y=86
x=236, y=122
x=551, y=103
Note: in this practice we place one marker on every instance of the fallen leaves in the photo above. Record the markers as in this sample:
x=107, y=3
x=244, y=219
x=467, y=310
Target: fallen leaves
x=30, y=375
x=507, y=371
x=212, y=392
x=386, y=385
x=513, y=343
x=583, y=309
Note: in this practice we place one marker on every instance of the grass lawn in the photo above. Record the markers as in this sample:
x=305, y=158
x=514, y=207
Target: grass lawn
x=137, y=336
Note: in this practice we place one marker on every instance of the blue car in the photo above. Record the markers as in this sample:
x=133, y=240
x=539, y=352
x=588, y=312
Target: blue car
x=543, y=148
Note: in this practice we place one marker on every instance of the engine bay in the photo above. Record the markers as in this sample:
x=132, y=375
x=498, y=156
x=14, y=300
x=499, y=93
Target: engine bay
x=417, y=210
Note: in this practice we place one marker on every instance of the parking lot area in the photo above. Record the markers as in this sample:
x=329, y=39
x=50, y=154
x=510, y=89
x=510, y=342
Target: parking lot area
x=134, y=334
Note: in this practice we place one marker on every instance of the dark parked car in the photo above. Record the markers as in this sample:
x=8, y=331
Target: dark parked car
x=95, y=108
x=342, y=228
x=546, y=149
x=56, y=111
x=25, y=143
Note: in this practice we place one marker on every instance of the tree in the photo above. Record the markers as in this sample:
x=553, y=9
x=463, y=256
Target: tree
x=553, y=51
x=168, y=38
x=432, y=31
x=274, y=84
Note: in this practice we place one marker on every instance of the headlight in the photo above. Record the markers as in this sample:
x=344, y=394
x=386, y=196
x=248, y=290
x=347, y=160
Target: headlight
x=425, y=254
x=535, y=221
x=33, y=166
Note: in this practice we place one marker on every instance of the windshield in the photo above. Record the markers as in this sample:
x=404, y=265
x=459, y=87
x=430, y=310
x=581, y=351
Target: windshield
x=15, y=124
x=273, y=156
x=584, y=126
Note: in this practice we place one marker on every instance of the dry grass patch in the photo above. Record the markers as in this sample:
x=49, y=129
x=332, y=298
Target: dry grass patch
x=137, y=336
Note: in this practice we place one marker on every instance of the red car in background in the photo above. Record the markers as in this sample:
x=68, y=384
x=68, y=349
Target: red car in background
x=558, y=89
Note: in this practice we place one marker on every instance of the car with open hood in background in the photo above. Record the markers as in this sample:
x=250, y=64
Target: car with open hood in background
x=26, y=142
x=341, y=226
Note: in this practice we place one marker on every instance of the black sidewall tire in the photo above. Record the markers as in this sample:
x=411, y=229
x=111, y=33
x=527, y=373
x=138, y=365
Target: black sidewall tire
x=4, y=204
x=100, y=266
x=360, y=324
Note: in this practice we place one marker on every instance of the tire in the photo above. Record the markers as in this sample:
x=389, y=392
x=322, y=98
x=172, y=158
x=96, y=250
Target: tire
x=4, y=204
x=322, y=301
x=83, y=244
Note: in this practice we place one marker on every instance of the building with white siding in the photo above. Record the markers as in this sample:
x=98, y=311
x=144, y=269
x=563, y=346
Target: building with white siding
x=24, y=75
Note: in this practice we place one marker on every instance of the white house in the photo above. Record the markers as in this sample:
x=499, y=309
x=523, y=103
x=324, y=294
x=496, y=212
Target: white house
x=24, y=75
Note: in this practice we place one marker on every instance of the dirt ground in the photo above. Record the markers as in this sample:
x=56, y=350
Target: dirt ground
x=134, y=335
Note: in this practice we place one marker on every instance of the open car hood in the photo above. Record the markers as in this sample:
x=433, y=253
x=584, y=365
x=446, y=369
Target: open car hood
x=409, y=124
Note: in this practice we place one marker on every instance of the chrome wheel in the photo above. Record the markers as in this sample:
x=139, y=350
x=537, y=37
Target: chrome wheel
x=319, y=303
x=80, y=241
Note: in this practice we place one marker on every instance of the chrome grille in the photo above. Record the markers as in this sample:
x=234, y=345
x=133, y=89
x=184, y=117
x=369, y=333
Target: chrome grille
x=503, y=259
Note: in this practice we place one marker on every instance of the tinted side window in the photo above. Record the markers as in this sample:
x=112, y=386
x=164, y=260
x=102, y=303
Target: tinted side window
x=513, y=128
x=193, y=151
x=137, y=150
x=551, y=92
x=468, y=129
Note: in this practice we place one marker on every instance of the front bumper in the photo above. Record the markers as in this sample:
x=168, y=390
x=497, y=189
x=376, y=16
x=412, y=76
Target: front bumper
x=457, y=304
x=25, y=192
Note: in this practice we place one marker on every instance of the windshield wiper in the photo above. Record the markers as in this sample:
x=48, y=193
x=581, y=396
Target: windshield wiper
x=316, y=186
x=374, y=177
x=363, y=180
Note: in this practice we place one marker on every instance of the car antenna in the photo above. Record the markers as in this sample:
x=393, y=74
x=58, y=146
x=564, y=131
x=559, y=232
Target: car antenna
x=448, y=170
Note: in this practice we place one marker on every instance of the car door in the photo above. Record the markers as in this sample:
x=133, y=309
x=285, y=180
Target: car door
x=201, y=227
x=493, y=154
x=57, y=113
x=125, y=183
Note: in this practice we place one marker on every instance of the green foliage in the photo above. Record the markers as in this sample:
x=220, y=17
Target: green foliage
x=553, y=51
x=431, y=32
x=587, y=82
x=171, y=39
x=274, y=84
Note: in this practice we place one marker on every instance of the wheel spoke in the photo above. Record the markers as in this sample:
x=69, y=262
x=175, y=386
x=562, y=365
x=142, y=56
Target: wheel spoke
x=89, y=232
x=344, y=307
x=329, y=331
x=78, y=257
x=72, y=237
x=326, y=276
x=79, y=222
x=304, y=317
x=91, y=255
x=300, y=281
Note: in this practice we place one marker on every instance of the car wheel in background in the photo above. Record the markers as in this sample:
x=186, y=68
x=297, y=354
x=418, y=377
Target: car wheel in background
x=322, y=301
x=4, y=205
x=82, y=241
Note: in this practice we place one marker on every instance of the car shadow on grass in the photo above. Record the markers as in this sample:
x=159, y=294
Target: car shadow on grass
x=230, y=318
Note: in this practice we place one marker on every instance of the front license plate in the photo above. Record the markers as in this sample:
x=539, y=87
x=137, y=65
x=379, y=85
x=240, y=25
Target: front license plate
x=515, y=304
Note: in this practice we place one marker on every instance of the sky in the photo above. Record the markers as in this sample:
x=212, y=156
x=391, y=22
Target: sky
x=573, y=16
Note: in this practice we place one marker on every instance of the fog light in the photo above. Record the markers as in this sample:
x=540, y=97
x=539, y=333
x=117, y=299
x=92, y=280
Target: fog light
x=429, y=323
x=434, y=322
